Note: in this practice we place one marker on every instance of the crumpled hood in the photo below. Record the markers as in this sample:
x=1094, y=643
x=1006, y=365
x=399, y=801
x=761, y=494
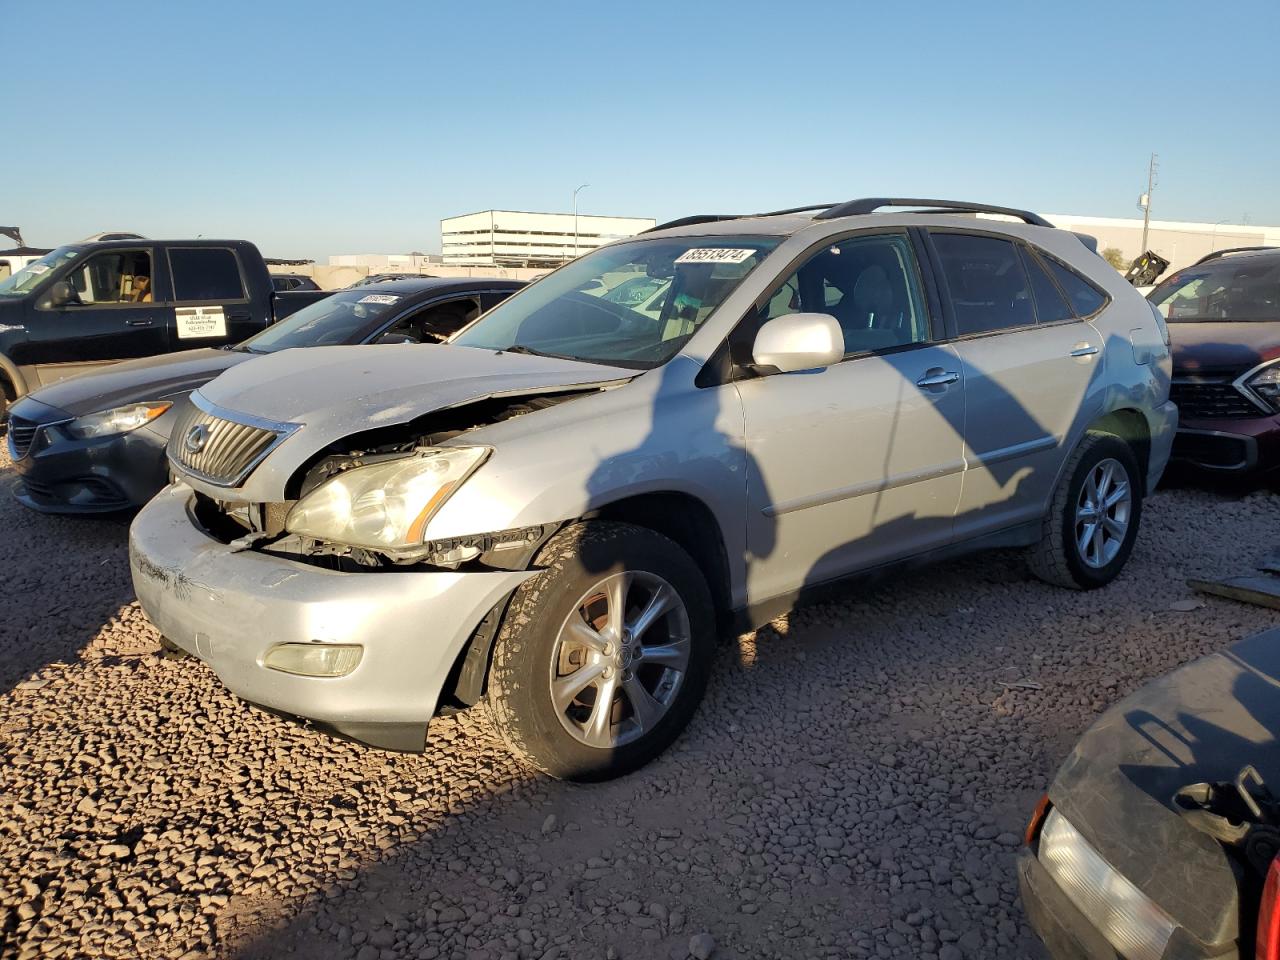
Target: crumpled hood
x=1200, y=723
x=132, y=381
x=1211, y=347
x=334, y=392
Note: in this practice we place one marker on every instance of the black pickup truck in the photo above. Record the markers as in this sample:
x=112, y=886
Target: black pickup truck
x=88, y=304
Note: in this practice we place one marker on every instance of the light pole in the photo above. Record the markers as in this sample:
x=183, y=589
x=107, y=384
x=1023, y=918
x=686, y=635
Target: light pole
x=1213, y=238
x=575, y=219
x=1144, y=202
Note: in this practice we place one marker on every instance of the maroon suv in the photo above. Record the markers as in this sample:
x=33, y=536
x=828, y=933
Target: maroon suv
x=1224, y=323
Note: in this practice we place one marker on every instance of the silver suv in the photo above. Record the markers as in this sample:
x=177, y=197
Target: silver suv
x=559, y=510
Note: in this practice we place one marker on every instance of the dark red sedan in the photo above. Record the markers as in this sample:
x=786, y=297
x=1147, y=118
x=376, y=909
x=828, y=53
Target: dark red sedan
x=1224, y=323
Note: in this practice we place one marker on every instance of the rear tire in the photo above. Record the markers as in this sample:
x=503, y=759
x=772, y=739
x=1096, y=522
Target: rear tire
x=603, y=656
x=1101, y=479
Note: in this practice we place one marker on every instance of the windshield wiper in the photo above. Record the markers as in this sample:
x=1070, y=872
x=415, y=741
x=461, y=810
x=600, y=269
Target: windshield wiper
x=530, y=351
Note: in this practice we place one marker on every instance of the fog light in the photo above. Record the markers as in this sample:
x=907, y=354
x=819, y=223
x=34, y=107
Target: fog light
x=314, y=659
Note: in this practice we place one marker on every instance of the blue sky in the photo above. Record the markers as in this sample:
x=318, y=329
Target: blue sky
x=353, y=128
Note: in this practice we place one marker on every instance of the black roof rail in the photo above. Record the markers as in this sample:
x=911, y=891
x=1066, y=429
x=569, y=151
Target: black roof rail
x=780, y=213
x=716, y=217
x=866, y=205
x=691, y=221
x=1226, y=250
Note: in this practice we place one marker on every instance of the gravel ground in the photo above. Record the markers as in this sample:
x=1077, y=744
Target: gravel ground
x=855, y=784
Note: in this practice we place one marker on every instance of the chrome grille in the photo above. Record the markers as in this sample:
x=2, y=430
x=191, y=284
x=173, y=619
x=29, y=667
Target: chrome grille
x=220, y=446
x=1211, y=400
x=21, y=433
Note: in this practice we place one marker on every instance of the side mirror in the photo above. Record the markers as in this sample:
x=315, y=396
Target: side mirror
x=397, y=338
x=799, y=341
x=63, y=293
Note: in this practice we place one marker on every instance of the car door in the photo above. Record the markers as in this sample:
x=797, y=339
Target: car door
x=1027, y=361
x=117, y=314
x=860, y=463
x=211, y=305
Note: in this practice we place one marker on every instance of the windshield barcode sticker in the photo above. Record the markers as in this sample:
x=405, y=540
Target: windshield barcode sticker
x=38, y=268
x=197, y=322
x=716, y=255
x=378, y=298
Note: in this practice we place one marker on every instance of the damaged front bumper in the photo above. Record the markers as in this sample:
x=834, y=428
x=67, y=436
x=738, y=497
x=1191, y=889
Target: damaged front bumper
x=232, y=607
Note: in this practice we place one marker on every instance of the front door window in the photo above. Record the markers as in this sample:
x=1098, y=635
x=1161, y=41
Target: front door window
x=117, y=276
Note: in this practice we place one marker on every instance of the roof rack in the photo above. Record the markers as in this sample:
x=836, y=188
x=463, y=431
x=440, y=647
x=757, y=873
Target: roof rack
x=1222, y=253
x=866, y=205
x=717, y=217
x=695, y=219
x=779, y=213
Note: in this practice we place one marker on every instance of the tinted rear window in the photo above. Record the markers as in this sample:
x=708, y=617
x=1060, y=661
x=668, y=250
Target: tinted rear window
x=1086, y=299
x=1050, y=307
x=989, y=288
x=205, y=273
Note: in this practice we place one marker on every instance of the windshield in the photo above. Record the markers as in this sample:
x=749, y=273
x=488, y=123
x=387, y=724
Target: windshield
x=1232, y=288
x=629, y=304
x=33, y=274
x=334, y=320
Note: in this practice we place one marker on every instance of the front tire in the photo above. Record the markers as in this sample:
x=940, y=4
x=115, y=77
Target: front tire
x=1093, y=519
x=603, y=656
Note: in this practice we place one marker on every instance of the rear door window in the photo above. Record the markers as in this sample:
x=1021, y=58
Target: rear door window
x=205, y=273
x=988, y=285
x=1050, y=306
x=1086, y=299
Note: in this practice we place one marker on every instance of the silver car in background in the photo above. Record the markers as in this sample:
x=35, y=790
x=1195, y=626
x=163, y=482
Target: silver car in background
x=560, y=509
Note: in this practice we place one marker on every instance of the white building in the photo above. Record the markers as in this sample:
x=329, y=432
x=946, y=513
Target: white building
x=1181, y=242
x=387, y=262
x=516, y=239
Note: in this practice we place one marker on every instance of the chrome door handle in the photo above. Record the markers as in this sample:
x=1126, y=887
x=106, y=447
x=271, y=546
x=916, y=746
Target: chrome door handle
x=137, y=323
x=937, y=377
x=1083, y=350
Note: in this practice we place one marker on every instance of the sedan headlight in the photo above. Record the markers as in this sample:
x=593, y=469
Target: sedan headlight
x=1127, y=917
x=384, y=505
x=108, y=423
x=1264, y=381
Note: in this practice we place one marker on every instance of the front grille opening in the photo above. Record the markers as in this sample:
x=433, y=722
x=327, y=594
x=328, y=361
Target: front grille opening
x=1212, y=451
x=226, y=522
x=21, y=433
x=1211, y=400
x=210, y=517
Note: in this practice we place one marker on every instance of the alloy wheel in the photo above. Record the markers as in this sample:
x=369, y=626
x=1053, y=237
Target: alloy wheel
x=620, y=659
x=1102, y=513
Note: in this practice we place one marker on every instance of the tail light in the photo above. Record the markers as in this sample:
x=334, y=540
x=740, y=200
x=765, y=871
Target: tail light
x=1268, y=940
x=1037, y=821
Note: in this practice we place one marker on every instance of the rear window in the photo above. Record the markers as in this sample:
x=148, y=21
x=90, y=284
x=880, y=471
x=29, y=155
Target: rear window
x=1050, y=307
x=205, y=273
x=1231, y=288
x=989, y=288
x=1086, y=299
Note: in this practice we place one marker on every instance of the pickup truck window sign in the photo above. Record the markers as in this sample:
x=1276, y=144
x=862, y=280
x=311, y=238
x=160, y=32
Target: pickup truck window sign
x=716, y=255
x=195, y=323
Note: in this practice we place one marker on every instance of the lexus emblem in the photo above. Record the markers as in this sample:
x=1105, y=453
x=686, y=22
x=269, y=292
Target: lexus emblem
x=196, y=438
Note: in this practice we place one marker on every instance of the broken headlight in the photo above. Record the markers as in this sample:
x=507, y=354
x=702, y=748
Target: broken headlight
x=387, y=504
